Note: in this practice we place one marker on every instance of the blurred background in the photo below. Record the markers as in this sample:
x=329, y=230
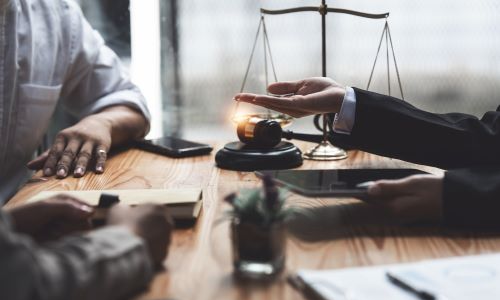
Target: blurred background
x=189, y=57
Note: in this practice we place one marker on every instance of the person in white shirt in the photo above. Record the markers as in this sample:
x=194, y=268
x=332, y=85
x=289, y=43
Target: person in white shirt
x=49, y=54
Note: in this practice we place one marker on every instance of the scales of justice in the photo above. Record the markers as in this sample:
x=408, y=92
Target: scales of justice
x=260, y=145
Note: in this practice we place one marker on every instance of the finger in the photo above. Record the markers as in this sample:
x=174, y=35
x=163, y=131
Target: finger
x=390, y=188
x=54, y=154
x=269, y=101
x=286, y=87
x=69, y=155
x=245, y=97
x=102, y=155
x=74, y=210
x=118, y=214
x=37, y=163
x=64, y=206
x=289, y=111
x=83, y=159
x=263, y=100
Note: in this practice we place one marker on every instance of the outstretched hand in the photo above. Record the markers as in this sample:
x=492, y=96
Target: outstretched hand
x=301, y=98
x=416, y=198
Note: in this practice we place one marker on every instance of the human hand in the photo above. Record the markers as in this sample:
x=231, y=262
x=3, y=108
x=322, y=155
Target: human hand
x=311, y=96
x=412, y=199
x=52, y=218
x=150, y=222
x=78, y=146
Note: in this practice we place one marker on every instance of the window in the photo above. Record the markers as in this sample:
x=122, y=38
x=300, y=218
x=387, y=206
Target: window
x=112, y=19
x=448, y=53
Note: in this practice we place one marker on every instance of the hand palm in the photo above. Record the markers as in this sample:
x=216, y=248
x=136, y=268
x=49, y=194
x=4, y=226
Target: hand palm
x=310, y=96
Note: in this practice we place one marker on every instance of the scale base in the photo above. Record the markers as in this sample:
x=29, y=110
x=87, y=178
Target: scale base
x=325, y=151
x=237, y=156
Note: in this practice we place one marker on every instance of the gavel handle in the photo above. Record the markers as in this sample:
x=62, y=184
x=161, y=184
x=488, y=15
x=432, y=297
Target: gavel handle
x=289, y=135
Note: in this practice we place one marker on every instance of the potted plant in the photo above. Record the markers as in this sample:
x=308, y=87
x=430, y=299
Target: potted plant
x=258, y=230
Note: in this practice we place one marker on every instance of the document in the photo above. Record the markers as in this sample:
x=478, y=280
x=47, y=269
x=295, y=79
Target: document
x=459, y=278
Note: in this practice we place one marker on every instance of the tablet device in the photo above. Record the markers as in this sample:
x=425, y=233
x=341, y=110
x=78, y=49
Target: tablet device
x=334, y=182
x=173, y=147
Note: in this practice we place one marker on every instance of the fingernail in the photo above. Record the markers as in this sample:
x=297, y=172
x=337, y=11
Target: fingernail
x=374, y=190
x=366, y=184
x=47, y=172
x=61, y=173
x=99, y=169
x=79, y=171
x=86, y=208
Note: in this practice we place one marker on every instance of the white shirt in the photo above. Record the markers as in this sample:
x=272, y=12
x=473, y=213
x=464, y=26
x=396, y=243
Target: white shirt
x=344, y=120
x=49, y=54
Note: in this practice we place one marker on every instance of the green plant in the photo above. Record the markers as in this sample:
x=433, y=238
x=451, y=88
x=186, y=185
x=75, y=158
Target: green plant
x=259, y=205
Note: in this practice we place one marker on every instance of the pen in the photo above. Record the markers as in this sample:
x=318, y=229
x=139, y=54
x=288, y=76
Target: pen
x=297, y=282
x=421, y=294
x=309, y=289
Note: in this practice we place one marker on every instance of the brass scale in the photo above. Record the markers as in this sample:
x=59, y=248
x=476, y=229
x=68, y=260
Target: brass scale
x=244, y=157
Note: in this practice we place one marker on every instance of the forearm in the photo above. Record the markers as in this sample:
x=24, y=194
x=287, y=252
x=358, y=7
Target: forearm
x=125, y=124
x=106, y=264
x=390, y=127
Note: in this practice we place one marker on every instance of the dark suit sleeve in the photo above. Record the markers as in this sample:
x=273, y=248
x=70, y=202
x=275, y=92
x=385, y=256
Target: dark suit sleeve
x=391, y=127
x=471, y=198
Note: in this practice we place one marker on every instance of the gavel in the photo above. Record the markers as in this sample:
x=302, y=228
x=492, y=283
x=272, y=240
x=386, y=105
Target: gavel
x=261, y=133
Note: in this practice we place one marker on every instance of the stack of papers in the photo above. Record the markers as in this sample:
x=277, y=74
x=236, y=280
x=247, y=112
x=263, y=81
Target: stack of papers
x=461, y=278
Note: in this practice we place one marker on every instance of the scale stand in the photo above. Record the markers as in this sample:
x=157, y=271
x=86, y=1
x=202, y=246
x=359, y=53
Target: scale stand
x=325, y=150
x=244, y=157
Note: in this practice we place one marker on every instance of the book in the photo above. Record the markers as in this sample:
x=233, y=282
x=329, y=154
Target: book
x=458, y=278
x=183, y=203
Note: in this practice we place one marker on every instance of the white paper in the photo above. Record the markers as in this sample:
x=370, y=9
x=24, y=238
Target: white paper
x=469, y=277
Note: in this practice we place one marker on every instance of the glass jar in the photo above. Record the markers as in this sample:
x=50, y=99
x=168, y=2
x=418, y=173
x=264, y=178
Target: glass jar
x=258, y=250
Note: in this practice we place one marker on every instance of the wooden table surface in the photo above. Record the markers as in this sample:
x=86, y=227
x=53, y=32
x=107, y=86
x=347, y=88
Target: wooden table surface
x=342, y=232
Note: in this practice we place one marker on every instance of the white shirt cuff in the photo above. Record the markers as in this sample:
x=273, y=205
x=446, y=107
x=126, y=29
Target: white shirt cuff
x=344, y=119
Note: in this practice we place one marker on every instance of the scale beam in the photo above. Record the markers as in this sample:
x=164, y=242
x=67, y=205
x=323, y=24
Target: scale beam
x=321, y=9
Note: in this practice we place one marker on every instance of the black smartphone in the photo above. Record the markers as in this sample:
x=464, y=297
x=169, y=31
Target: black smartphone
x=335, y=182
x=173, y=147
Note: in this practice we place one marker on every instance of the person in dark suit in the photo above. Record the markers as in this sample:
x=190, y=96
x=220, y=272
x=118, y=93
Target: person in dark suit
x=468, y=147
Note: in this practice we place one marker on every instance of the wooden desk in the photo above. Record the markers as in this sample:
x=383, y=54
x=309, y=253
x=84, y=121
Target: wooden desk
x=344, y=233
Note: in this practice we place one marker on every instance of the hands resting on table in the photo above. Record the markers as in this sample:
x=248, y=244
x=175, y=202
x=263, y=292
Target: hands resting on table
x=416, y=198
x=86, y=144
x=62, y=215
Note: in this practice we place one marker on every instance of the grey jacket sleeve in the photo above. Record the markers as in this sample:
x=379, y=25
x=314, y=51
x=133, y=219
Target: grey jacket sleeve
x=105, y=264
